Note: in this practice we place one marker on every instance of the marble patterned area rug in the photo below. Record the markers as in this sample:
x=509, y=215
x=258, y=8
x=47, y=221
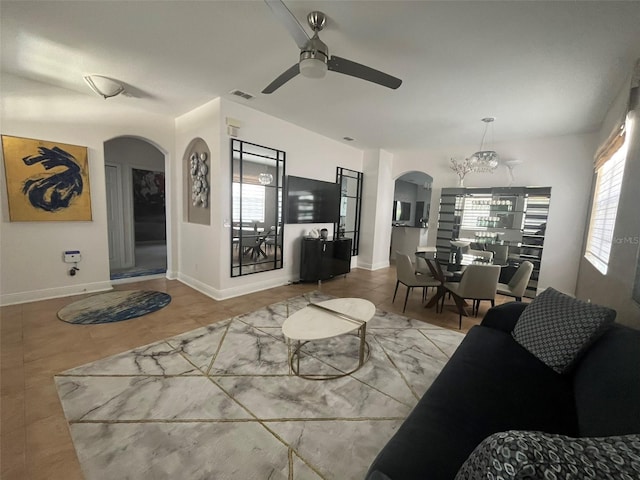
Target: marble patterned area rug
x=113, y=306
x=219, y=402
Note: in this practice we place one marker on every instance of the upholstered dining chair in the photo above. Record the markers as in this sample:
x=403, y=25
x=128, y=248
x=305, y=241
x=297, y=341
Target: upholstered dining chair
x=478, y=282
x=518, y=283
x=408, y=277
x=252, y=246
x=485, y=255
x=500, y=254
x=270, y=239
x=421, y=266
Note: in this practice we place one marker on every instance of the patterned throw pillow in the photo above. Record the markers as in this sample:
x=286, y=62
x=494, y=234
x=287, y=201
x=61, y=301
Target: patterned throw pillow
x=557, y=328
x=534, y=455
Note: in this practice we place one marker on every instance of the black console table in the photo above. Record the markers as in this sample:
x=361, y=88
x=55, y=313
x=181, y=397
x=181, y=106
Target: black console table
x=324, y=259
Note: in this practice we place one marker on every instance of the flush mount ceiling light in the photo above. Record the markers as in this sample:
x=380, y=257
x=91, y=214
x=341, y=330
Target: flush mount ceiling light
x=104, y=86
x=485, y=160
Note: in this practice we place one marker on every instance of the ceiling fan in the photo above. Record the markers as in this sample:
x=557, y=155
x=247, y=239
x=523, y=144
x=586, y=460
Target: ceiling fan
x=314, y=53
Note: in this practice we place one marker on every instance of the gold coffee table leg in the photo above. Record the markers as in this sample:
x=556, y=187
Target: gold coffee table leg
x=362, y=333
x=363, y=356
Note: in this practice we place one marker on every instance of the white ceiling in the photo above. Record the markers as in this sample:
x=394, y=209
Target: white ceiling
x=542, y=68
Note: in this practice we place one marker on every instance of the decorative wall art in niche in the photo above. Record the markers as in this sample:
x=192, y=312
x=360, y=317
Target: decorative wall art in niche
x=196, y=172
x=199, y=184
x=46, y=181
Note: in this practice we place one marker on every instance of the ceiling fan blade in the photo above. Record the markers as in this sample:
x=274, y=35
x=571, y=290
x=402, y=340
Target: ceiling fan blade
x=282, y=79
x=290, y=22
x=342, y=65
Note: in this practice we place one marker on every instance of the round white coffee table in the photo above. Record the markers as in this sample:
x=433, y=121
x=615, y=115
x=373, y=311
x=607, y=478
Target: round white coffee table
x=328, y=319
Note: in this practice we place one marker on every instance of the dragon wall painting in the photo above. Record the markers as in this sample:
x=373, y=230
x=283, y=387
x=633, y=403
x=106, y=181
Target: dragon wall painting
x=46, y=181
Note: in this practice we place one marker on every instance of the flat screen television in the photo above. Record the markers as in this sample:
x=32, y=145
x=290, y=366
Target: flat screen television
x=311, y=201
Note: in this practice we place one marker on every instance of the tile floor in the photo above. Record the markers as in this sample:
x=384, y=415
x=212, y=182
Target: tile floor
x=35, y=442
x=150, y=258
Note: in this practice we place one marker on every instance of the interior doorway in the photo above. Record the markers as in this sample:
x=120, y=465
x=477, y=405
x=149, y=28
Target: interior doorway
x=410, y=214
x=136, y=208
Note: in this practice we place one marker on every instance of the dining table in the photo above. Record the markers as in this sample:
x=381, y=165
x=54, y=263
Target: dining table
x=443, y=275
x=436, y=272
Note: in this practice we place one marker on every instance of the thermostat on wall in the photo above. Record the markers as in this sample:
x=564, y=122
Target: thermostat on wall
x=72, y=256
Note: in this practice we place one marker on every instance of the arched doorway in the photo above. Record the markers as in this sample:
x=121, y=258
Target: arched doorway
x=136, y=210
x=410, y=214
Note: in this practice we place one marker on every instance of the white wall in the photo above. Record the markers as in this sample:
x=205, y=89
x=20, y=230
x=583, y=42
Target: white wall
x=31, y=252
x=377, y=204
x=35, y=110
x=206, y=250
x=615, y=288
x=563, y=163
x=200, y=261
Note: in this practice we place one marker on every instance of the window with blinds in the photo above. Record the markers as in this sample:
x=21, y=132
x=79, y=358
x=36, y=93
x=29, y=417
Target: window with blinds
x=604, y=209
x=253, y=202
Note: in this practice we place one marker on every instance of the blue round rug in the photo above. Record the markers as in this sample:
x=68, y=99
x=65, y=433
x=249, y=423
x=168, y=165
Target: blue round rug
x=113, y=306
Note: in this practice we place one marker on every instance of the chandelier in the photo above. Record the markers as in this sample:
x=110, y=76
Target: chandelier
x=265, y=178
x=485, y=160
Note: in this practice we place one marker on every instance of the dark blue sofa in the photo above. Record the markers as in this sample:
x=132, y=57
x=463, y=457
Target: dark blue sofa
x=492, y=384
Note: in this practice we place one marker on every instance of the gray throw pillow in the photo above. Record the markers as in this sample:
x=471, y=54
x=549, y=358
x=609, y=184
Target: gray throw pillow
x=523, y=455
x=558, y=329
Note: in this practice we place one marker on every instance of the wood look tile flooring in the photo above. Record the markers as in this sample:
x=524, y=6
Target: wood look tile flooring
x=34, y=438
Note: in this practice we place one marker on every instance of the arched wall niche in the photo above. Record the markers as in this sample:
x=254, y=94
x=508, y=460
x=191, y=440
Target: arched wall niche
x=196, y=169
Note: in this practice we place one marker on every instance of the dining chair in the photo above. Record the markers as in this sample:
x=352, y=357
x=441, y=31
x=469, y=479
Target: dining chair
x=270, y=239
x=252, y=246
x=500, y=254
x=518, y=283
x=408, y=277
x=478, y=282
x=485, y=255
x=421, y=266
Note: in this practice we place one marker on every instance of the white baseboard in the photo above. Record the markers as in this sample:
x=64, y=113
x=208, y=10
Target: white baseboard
x=373, y=266
x=172, y=275
x=47, y=293
x=244, y=289
x=208, y=290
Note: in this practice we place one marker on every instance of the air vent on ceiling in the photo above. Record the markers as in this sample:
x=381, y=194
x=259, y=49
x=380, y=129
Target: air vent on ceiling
x=240, y=93
x=348, y=139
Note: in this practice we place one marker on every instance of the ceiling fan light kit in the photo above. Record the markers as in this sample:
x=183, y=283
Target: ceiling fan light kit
x=314, y=58
x=313, y=68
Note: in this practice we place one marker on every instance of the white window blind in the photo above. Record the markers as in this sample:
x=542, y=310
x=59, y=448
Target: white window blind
x=252, y=202
x=604, y=210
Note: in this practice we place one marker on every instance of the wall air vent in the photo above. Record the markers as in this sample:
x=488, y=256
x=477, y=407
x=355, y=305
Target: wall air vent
x=240, y=93
x=348, y=139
